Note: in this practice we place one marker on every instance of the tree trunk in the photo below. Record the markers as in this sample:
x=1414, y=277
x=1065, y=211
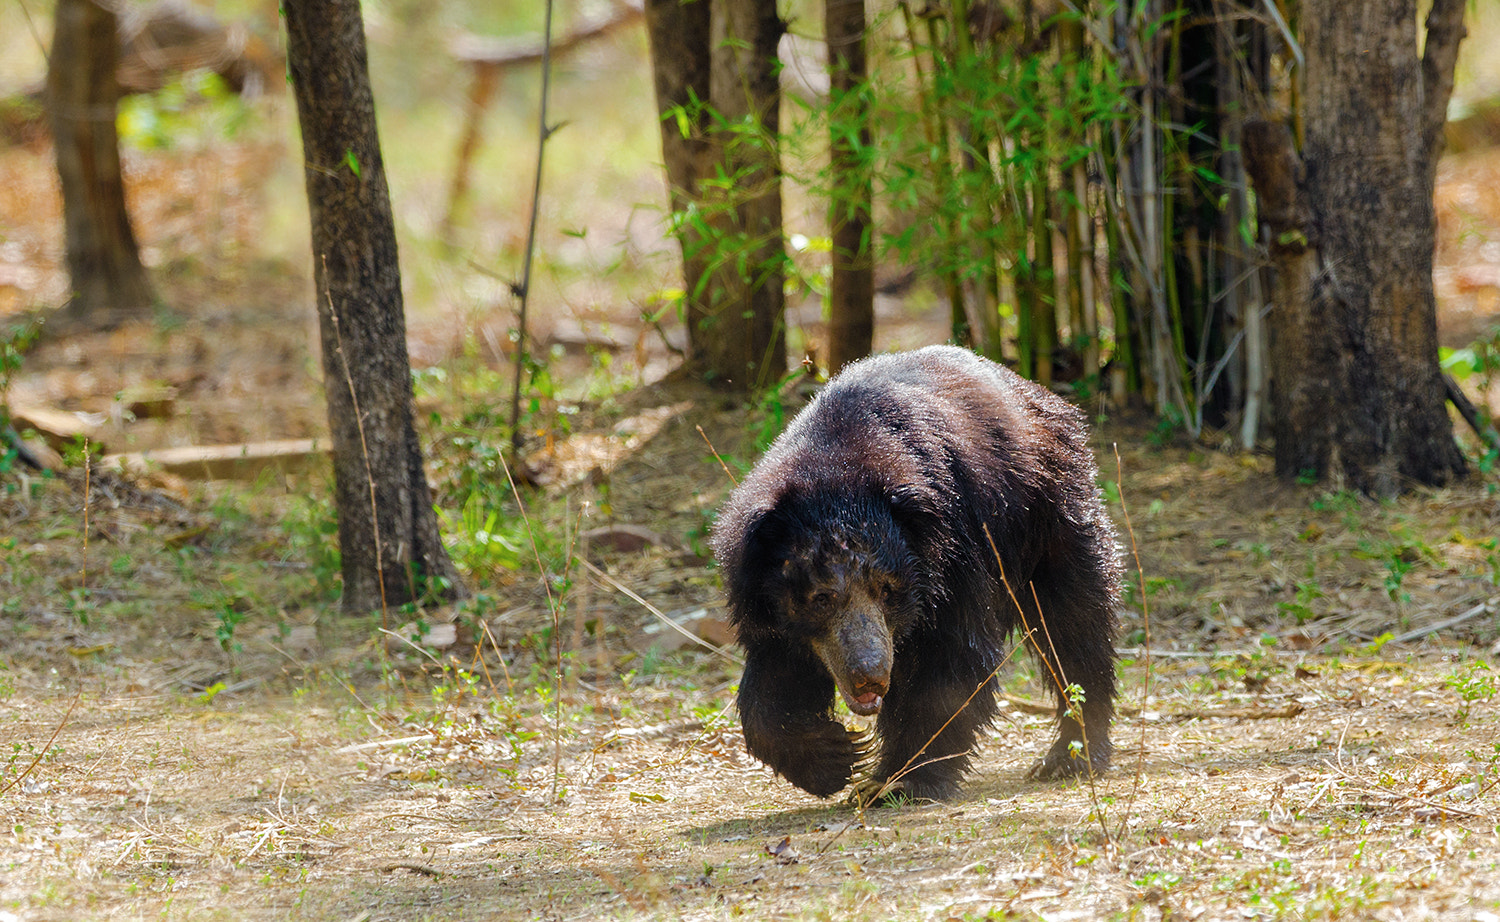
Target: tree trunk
x=388, y=532
x=1358, y=392
x=851, y=289
x=680, y=60
x=745, y=336
x=109, y=282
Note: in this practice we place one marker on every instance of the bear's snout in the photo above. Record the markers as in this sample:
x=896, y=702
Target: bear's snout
x=860, y=659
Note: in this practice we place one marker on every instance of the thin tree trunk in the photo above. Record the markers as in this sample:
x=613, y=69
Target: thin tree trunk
x=104, y=262
x=936, y=131
x=388, y=532
x=851, y=289
x=746, y=345
x=680, y=65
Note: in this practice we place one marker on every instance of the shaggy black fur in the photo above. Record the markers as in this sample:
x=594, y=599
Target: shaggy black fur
x=860, y=555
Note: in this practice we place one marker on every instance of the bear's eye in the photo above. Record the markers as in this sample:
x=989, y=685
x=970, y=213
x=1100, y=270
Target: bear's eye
x=821, y=600
x=888, y=592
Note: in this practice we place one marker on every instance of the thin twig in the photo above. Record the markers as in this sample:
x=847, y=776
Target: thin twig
x=1475, y=612
x=910, y=767
x=716, y=456
x=661, y=615
x=523, y=289
x=552, y=603
x=1443, y=808
x=1140, y=572
x=83, y=564
x=45, y=749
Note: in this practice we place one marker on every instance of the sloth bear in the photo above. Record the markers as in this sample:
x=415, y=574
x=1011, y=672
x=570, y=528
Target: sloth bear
x=922, y=508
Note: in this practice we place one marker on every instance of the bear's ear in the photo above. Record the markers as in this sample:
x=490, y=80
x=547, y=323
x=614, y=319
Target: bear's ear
x=763, y=535
x=918, y=515
x=748, y=554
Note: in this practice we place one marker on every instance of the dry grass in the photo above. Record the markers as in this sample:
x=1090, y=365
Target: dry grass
x=1375, y=802
x=329, y=781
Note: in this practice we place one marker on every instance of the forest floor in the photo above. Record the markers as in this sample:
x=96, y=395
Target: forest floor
x=1310, y=734
x=189, y=730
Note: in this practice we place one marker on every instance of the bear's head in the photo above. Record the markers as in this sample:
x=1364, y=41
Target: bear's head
x=839, y=574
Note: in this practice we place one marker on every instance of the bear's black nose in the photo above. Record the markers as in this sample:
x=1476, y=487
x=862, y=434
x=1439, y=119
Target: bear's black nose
x=867, y=683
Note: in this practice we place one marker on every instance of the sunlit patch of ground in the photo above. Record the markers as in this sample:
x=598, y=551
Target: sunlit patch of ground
x=1377, y=801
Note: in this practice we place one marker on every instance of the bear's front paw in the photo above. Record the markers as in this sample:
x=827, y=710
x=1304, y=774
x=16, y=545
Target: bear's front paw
x=873, y=792
x=820, y=760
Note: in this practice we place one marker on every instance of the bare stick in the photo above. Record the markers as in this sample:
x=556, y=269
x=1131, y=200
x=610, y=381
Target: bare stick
x=83, y=565
x=1059, y=679
x=661, y=616
x=1140, y=572
x=45, y=749
x=1470, y=413
x=716, y=456
x=912, y=764
x=510, y=687
x=1471, y=614
x=523, y=289
x=552, y=603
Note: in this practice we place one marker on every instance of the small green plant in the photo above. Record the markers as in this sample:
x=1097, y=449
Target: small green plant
x=1473, y=683
x=1397, y=566
x=1336, y=501
x=312, y=538
x=227, y=618
x=13, y=345
x=1167, y=425
x=771, y=415
x=1306, y=591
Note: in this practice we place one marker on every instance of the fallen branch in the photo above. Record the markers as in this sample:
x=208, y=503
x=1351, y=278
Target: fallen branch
x=1470, y=413
x=1228, y=712
x=1253, y=712
x=1471, y=614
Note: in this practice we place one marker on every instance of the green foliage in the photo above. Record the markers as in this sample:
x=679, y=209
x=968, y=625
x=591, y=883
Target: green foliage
x=194, y=110
x=311, y=532
x=1473, y=683
x=771, y=416
x=709, y=229
x=1307, y=590
x=1478, y=365
x=14, y=342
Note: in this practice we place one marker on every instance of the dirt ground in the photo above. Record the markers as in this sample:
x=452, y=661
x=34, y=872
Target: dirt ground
x=1304, y=740
x=1320, y=770
x=1307, y=729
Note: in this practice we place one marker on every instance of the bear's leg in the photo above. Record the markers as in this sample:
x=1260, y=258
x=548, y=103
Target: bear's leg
x=1073, y=637
x=928, y=724
x=786, y=710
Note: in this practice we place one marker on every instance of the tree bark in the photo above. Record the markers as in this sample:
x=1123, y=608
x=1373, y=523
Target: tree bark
x=680, y=63
x=715, y=67
x=1358, y=392
x=744, y=336
x=104, y=262
x=391, y=550
x=851, y=288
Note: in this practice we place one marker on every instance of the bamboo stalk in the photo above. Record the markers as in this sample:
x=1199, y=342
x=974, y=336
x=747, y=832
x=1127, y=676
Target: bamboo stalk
x=937, y=141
